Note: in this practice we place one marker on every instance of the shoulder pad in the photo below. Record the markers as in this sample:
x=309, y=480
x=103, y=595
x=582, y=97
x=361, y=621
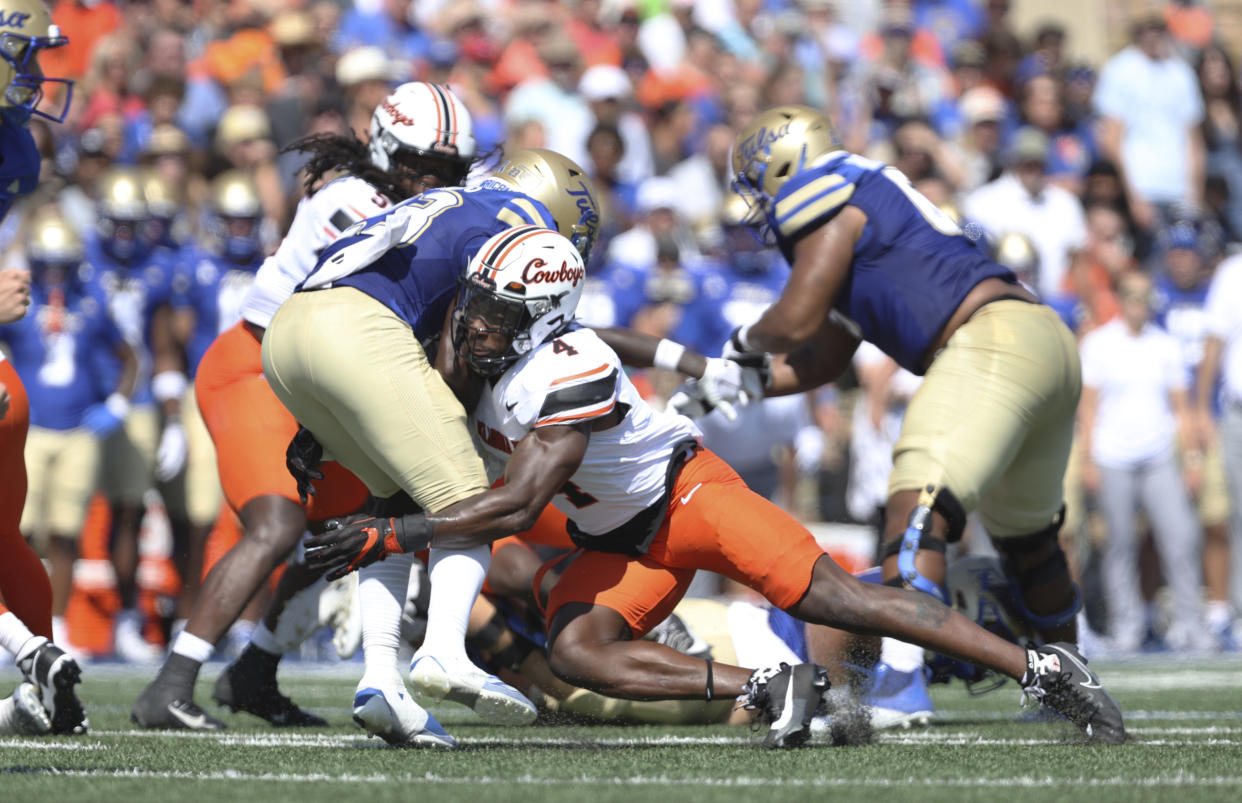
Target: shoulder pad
x=522, y=211
x=811, y=199
x=579, y=377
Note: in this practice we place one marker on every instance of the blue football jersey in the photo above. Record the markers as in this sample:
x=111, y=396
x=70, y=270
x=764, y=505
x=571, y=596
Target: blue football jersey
x=1181, y=311
x=912, y=266
x=134, y=291
x=59, y=351
x=213, y=288
x=19, y=163
x=435, y=235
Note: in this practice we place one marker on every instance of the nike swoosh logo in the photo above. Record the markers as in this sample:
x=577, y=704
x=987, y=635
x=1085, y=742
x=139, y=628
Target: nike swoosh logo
x=1089, y=684
x=787, y=712
x=510, y=406
x=197, y=722
x=685, y=500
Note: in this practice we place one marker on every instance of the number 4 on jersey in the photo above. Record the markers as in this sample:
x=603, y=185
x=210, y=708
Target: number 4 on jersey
x=561, y=347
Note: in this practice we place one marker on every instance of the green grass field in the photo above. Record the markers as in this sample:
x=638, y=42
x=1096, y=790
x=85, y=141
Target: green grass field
x=1185, y=717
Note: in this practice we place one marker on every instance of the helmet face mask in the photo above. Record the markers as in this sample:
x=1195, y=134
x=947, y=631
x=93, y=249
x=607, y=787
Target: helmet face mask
x=26, y=29
x=236, y=217
x=53, y=249
x=776, y=145
x=123, y=214
x=520, y=290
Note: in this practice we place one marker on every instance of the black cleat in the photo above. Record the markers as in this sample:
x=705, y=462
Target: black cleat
x=55, y=674
x=245, y=686
x=787, y=699
x=1057, y=676
x=160, y=707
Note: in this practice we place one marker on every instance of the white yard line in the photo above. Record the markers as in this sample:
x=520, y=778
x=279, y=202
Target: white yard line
x=48, y=744
x=1158, y=781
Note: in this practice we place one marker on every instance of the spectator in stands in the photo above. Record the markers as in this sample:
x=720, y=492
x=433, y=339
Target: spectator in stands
x=553, y=99
x=1023, y=201
x=1108, y=255
x=244, y=142
x=364, y=74
x=1151, y=110
x=609, y=94
x=1222, y=124
x=388, y=25
x=1071, y=149
x=983, y=113
x=1134, y=410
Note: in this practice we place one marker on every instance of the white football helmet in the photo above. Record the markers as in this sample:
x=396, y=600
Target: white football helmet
x=421, y=126
x=523, y=285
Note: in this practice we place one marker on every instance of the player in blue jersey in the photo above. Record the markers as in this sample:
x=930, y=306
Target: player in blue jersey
x=60, y=347
x=991, y=426
x=122, y=264
x=26, y=29
x=214, y=277
x=372, y=397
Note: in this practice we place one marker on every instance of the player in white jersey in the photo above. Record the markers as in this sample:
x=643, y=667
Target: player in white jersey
x=421, y=137
x=648, y=506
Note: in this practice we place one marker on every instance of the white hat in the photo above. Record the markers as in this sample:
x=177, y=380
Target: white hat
x=604, y=81
x=363, y=64
x=657, y=192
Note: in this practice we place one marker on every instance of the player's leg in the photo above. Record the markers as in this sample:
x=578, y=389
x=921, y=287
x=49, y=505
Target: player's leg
x=129, y=454
x=407, y=434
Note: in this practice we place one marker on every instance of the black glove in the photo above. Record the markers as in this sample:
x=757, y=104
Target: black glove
x=302, y=458
x=360, y=540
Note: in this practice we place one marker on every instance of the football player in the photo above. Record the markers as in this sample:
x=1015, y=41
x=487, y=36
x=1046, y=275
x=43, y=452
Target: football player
x=991, y=425
x=421, y=137
x=214, y=276
x=647, y=505
x=26, y=29
x=394, y=278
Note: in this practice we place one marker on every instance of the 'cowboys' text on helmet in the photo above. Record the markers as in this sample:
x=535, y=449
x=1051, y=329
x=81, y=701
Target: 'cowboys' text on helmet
x=420, y=125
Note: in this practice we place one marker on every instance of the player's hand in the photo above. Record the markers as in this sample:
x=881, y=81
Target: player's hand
x=14, y=294
x=302, y=458
x=100, y=421
x=351, y=543
x=173, y=450
x=759, y=362
x=722, y=386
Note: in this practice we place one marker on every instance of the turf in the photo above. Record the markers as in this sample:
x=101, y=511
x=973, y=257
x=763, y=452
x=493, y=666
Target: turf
x=1185, y=717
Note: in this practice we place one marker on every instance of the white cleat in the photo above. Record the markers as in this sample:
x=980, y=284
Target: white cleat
x=23, y=713
x=392, y=715
x=460, y=681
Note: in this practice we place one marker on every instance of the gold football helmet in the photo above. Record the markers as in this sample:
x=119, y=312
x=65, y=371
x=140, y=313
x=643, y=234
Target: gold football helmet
x=163, y=196
x=25, y=29
x=1016, y=252
x=51, y=240
x=560, y=185
x=775, y=146
x=122, y=194
x=235, y=217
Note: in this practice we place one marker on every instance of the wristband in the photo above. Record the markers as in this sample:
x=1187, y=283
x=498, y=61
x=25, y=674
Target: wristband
x=168, y=385
x=739, y=340
x=410, y=533
x=668, y=354
x=118, y=405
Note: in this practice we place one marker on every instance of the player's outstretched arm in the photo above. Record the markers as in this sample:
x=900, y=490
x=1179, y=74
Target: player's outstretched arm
x=541, y=464
x=817, y=363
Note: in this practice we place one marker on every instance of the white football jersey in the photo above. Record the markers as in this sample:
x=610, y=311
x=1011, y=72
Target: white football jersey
x=319, y=220
x=575, y=378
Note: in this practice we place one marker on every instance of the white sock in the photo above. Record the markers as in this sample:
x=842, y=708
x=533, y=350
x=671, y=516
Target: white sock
x=265, y=640
x=381, y=595
x=193, y=647
x=13, y=632
x=901, y=655
x=456, y=577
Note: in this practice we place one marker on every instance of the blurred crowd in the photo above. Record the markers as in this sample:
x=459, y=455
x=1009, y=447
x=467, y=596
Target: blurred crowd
x=1113, y=189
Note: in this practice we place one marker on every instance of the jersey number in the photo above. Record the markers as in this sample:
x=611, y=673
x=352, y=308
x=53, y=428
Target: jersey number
x=576, y=496
x=936, y=217
x=561, y=347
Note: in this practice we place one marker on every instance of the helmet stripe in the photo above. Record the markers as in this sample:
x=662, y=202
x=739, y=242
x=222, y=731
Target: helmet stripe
x=494, y=257
x=438, y=100
x=448, y=131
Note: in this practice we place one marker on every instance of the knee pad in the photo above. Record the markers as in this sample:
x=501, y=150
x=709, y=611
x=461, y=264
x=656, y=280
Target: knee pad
x=1034, y=559
x=936, y=499
x=524, y=638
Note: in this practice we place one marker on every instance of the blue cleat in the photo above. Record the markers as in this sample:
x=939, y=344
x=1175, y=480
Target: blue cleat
x=897, y=699
x=460, y=681
x=393, y=716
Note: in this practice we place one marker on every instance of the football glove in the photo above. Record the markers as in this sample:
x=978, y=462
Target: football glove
x=689, y=400
x=172, y=453
x=302, y=458
x=357, y=541
x=758, y=361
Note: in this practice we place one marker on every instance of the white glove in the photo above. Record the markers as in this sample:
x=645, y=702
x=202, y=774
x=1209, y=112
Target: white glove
x=722, y=386
x=809, y=449
x=170, y=457
x=688, y=400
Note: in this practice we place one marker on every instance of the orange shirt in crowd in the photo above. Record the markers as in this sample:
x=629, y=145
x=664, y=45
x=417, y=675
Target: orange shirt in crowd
x=84, y=27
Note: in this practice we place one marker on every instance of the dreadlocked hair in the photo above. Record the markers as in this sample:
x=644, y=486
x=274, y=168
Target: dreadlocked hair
x=334, y=153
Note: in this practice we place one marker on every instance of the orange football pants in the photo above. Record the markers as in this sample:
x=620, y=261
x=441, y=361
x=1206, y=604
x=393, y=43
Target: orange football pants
x=714, y=522
x=24, y=585
x=252, y=429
